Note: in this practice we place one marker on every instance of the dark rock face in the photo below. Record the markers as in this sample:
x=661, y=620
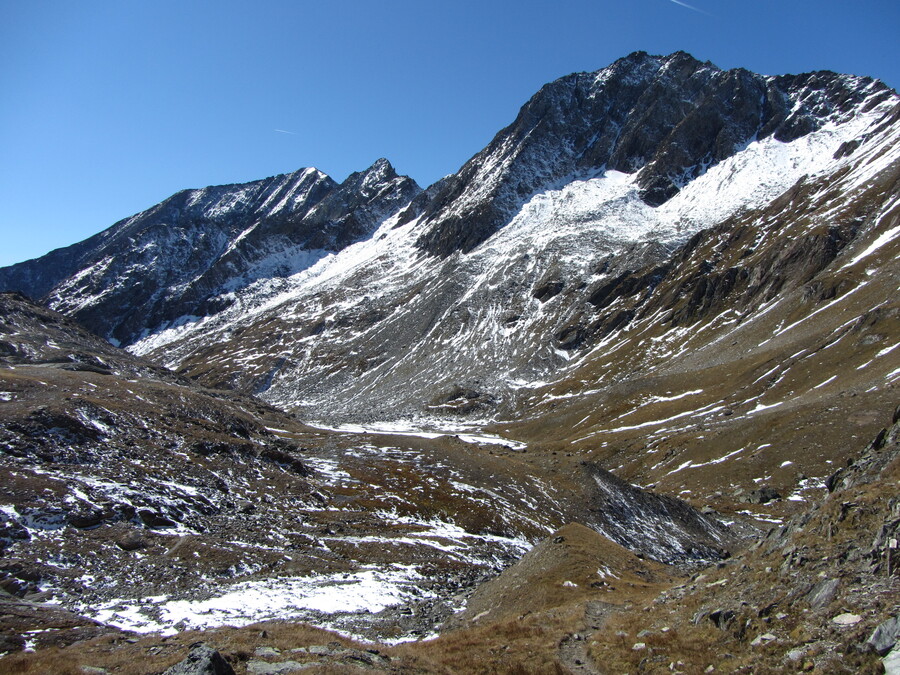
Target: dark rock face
x=184, y=256
x=659, y=526
x=763, y=495
x=669, y=118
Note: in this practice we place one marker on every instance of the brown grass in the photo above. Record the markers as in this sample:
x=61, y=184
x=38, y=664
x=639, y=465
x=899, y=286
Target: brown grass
x=528, y=646
x=151, y=654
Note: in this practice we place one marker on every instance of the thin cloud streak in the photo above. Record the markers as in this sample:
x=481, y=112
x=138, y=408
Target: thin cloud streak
x=294, y=133
x=696, y=9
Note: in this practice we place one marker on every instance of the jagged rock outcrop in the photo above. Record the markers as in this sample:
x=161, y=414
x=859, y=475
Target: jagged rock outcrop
x=658, y=526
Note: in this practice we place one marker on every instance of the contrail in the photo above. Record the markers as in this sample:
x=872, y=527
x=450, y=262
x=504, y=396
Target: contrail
x=696, y=9
x=294, y=133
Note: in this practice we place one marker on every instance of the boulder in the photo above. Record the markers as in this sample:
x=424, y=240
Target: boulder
x=885, y=636
x=763, y=495
x=85, y=518
x=202, y=660
x=847, y=619
x=762, y=639
x=155, y=520
x=131, y=541
x=822, y=593
x=891, y=662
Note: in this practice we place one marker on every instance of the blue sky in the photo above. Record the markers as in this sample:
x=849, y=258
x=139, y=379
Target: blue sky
x=109, y=107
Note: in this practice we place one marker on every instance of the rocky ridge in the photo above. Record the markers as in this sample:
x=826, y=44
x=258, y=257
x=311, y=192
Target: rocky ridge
x=187, y=255
x=668, y=119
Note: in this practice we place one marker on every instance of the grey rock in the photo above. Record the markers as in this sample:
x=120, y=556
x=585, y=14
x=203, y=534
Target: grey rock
x=322, y=650
x=763, y=495
x=892, y=663
x=885, y=636
x=267, y=651
x=762, y=639
x=131, y=541
x=822, y=593
x=85, y=518
x=846, y=619
x=202, y=660
x=265, y=668
x=155, y=520
x=796, y=654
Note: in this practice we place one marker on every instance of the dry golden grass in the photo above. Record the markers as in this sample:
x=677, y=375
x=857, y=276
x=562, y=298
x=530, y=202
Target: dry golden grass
x=125, y=655
x=528, y=646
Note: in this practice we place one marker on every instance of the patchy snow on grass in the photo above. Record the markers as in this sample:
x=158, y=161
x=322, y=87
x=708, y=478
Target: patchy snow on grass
x=401, y=428
x=367, y=590
x=883, y=239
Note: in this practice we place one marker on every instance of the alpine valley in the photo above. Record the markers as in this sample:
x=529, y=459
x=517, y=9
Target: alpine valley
x=618, y=396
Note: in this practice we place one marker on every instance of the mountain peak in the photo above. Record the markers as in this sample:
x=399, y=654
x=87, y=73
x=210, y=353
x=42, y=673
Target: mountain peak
x=666, y=118
x=381, y=165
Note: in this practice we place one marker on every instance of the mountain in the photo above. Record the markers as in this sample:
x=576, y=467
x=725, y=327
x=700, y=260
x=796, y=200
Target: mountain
x=392, y=329
x=190, y=253
x=661, y=305
x=667, y=120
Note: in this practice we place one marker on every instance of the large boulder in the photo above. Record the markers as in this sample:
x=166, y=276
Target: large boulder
x=202, y=660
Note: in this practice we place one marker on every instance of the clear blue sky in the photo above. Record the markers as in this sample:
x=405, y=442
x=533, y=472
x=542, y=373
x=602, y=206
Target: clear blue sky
x=106, y=108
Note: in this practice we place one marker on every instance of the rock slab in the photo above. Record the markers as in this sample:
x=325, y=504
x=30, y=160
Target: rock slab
x=885, y=636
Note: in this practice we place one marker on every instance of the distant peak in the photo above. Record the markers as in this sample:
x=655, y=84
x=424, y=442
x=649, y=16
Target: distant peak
x=380, y=170
x=381, y=164
x=310, y=171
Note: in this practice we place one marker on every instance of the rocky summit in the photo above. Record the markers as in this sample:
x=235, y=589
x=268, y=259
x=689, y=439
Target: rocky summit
x=619, y=395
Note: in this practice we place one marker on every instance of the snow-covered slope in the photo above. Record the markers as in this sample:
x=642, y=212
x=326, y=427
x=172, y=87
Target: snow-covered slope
x=383, y=329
